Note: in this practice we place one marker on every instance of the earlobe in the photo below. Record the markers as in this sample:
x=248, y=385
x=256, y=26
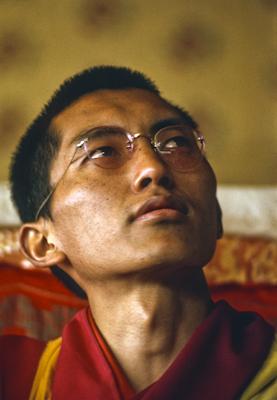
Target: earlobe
x=36, y=246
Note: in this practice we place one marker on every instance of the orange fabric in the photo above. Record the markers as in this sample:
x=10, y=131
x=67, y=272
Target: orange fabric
x=43, y=288
x=34, y=303
x=124, y=387
x=243, y=260
x=259, y=298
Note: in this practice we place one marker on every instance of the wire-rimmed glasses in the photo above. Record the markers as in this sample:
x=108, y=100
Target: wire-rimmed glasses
x=110, y=147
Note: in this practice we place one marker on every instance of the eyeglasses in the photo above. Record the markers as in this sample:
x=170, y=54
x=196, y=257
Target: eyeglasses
x=109, y=147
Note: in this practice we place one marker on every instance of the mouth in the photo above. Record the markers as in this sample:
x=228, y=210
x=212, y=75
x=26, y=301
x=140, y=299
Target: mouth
x=161, y=208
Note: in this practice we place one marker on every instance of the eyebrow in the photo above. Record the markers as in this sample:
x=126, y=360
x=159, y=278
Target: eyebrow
x=153, y=128
x=166, y=122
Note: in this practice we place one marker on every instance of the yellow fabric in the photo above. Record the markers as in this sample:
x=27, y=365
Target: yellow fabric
x=264, y=385
x=41, y=389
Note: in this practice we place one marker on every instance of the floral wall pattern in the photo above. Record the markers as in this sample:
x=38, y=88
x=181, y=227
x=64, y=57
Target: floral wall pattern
x=216, y=58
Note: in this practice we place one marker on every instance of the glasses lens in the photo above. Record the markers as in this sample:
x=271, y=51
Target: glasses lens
x=107, y=147
x=180, y=146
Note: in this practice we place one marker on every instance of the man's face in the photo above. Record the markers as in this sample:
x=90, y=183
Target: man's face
x=96, y=211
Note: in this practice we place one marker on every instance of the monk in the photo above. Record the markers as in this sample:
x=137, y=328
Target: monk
x=117, y=197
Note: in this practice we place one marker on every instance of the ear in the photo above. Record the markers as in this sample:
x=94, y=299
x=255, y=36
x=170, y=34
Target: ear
x=219, y=232
x=36, y=246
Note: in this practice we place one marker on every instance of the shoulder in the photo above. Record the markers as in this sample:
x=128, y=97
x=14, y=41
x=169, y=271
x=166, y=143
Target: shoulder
x=19, y=357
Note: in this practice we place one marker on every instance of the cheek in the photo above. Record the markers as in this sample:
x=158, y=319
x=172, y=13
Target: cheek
x=87, y=194
x=90, y=225
x=89, y=202
x=199, y=187
x=200, y=190
x=86, y=210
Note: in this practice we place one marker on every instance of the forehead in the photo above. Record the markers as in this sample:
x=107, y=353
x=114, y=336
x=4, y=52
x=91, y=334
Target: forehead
x=130, y=108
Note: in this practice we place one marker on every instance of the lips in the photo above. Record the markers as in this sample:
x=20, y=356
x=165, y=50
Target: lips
x=160, y=203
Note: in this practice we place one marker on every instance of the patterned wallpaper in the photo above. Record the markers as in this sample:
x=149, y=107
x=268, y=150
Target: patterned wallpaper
x=217, y=58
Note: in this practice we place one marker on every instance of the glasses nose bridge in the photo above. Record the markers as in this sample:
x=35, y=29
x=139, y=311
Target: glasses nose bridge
x=150, y=151
x=150, y=167
x=138, y=135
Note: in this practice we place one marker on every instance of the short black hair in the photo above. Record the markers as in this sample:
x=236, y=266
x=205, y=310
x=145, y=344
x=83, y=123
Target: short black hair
x=29, y=172
x=31, y=162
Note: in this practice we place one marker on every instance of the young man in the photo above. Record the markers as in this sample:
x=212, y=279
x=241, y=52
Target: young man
x=117, y=197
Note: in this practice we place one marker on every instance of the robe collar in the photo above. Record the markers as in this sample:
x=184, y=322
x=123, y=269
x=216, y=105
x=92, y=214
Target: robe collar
x=219, y=360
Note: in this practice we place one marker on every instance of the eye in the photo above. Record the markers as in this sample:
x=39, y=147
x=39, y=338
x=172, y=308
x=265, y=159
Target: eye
x=178, y=142
x=100, y=152
x=105, y=147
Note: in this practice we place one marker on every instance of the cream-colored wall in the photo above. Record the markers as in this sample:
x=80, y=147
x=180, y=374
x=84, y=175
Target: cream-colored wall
x=217, y=58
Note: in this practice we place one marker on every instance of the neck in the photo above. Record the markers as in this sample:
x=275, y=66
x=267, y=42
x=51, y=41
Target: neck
x=147, y=322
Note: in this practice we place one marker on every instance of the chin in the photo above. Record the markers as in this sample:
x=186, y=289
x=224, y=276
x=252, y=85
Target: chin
x=175, y=253
x=165, y=258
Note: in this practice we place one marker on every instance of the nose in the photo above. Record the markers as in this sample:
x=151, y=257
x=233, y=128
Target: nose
x=149, y=167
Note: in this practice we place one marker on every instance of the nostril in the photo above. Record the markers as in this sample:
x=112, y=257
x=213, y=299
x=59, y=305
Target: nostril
x=165, y=182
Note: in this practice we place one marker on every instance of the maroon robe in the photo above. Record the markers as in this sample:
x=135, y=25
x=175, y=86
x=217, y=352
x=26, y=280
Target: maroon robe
x=218, y=362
